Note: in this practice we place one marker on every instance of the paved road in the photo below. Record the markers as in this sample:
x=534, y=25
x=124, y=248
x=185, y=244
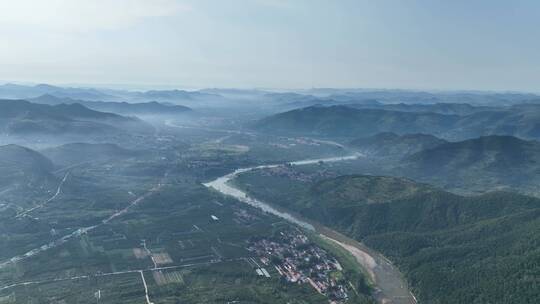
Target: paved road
x=145, y=288
x=106, y=274
x=52, y=198
x=81, y=230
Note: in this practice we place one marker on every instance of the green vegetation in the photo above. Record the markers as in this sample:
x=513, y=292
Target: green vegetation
x=20, y=165
x=233, y=281
x=199, y=259
x=351, y=122
x=91, y=216
x=384, y=145
x=352, y=270
x=142, y=108
x=343, y=121
x=453, y=249
x=23, y=118
x=489, y=162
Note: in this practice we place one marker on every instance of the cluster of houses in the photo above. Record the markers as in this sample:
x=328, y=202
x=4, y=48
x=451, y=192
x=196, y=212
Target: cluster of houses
x=299, y=261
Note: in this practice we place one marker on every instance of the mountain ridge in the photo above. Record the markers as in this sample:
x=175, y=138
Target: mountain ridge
x=23, y=117
x=346, y=121
x=388, y=144
x=151, y=107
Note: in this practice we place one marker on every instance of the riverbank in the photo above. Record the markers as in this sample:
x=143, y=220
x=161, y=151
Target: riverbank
x=390, y=285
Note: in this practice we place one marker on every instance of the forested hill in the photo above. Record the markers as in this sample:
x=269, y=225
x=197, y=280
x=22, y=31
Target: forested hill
x=347, y=121
x=21, y=117
x=20, y=165
x=122, y=108
x=489, y=162
x=390, y=144
x=452, y=248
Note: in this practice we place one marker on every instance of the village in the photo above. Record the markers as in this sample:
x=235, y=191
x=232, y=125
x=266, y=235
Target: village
x=299, y=261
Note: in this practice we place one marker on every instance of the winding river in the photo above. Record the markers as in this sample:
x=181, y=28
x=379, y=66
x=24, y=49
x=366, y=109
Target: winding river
x=389, y=283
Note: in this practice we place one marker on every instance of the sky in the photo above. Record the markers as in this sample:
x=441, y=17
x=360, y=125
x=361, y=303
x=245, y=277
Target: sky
x=431, y=44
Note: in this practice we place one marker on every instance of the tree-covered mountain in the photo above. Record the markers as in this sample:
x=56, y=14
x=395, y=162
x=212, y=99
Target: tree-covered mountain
x=124, y=108
x=16, y=91
x=22, y=165
x=16, y=158
x=22, y=117
x=440, y=108
x=442, y=241
x=521, y=120
x=343, y=121
x=174, y=95
x=296, y=101
x=392, y=145
x=489, y=161
x=346, y=121
x=423, y=97
x=452, y=248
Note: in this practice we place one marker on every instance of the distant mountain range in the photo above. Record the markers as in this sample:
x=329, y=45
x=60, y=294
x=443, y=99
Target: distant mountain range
x=14, y=91
x=290, y=101
x=343, y=121
x=440, y=108
x=346, y=121
x=407, y=205
x=422, y=97
x=282, y=99
x=502, y=162
x=124, y=108
x=174, y=95
x=22, y=117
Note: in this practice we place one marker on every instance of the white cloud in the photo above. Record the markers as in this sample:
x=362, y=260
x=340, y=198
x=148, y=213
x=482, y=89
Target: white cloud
x=84, y=15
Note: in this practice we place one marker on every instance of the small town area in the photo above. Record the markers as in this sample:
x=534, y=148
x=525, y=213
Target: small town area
x=300, y=261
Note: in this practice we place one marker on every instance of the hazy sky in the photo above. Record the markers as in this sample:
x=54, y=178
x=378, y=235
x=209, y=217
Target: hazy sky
x=430, y=44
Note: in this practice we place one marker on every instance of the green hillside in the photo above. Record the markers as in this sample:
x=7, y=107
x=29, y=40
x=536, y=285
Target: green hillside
x=348, y=121
x=392, y=145
x=21, y=117
x=452, y=248
x=24, y=176
x=489, y=162
x=20, y=163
